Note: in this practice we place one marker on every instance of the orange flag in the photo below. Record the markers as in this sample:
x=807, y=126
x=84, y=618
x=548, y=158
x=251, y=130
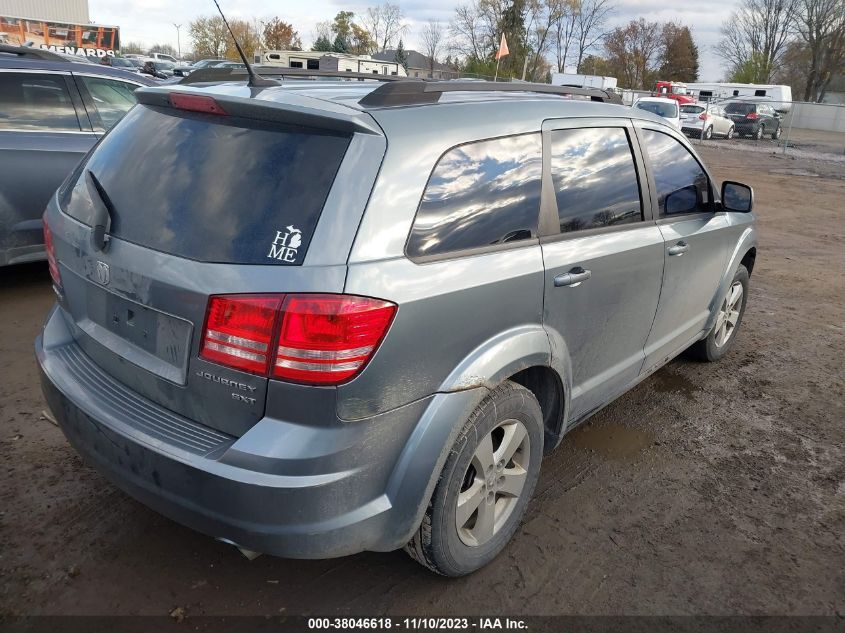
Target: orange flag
x=503, y=48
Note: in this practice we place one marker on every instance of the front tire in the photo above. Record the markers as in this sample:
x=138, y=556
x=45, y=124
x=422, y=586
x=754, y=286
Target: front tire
x=776, y=134
x=485, y=485
x=729, y=317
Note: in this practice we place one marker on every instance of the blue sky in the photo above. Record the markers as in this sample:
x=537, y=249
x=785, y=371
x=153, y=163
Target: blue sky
x=151, y=21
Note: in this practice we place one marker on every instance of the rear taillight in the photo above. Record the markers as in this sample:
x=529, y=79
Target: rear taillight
x=751, y=115
x=703, y=116
x=52, y=264
x=325, y=339
x=306, y=338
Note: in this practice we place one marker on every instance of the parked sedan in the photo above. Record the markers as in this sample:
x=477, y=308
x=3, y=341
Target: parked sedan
x=702, y=121
x=754, y=119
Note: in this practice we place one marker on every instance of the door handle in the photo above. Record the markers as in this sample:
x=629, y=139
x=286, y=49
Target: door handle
x=678, y=249
x=573, y=277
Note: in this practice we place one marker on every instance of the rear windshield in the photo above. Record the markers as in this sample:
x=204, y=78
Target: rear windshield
x=691, y=109
x=669, y=110
x=739, y=108
x=210, y=188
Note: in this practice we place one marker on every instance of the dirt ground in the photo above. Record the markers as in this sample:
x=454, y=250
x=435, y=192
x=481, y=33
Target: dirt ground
x=709, y=489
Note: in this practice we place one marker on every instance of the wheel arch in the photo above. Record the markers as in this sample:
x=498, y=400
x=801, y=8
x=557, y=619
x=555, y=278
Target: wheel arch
x=525, y=355
x=744, y=253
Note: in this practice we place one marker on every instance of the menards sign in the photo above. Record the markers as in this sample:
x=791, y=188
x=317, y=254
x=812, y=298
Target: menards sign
x=85, y=40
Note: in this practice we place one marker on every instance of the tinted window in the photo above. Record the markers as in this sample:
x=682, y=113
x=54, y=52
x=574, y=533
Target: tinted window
x=691, y=109
x=668, y=110
x=36, y=102
x=595, y=179
x=112, y=99
x=211, y=188
x=682, y=185
x=480, y=194
x=739, y=108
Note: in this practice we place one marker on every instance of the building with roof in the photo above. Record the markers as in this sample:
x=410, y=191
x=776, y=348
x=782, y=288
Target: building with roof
x=419, y=65
x=75, y=11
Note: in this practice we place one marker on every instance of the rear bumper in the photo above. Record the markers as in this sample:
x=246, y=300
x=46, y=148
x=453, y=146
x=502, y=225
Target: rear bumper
x=22, y=254
x=314, y=504
x=746, y=128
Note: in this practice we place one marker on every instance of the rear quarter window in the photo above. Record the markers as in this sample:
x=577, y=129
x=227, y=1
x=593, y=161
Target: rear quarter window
x=481, y=194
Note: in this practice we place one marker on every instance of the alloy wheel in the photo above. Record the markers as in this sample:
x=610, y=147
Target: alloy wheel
x=493, y=483
x=728, y=317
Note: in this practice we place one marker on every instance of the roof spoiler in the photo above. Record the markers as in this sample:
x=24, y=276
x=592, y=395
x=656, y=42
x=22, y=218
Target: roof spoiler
x=301, y=111
x=212, y=74
x=31, y=53
x=418, y=92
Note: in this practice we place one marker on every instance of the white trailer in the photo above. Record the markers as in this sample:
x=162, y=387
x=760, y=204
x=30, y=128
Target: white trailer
x=584, y=81
x=778, y=96
x=320, y=60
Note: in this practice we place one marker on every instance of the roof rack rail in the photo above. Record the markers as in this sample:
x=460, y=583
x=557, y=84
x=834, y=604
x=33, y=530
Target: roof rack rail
x=418, y=92
x=236, y=74
x=31, y=53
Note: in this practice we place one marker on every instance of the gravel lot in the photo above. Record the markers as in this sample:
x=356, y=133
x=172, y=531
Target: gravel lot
x=714, y=489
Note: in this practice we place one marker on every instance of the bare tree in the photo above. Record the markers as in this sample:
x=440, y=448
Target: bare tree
x=633, y=52
x=475, y=28
x=543, y=18
x=756, y=37
x=565, y=29
x=821, y=25
x=432, y=41
x=384, y=24
x=591, y=16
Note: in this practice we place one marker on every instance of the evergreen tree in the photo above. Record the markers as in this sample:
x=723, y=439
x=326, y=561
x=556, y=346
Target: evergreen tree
x=512, y=25
x=680, y=55
x=401, y=56
x=322, y=43
x=339, y=45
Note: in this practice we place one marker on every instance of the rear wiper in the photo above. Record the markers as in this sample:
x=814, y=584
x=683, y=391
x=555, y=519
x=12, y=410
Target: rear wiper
x=101, y=222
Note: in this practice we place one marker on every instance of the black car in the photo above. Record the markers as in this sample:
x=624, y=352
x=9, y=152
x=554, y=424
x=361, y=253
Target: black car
x=754, y=119
x=52, y=111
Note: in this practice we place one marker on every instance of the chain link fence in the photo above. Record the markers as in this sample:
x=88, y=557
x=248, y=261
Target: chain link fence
x=809, y=130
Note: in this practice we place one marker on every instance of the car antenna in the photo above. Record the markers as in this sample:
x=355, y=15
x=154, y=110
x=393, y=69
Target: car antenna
x=255, y=80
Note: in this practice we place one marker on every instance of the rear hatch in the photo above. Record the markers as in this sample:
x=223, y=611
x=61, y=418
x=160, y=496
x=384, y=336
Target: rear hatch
x=199, y=204
x=690, y=114
x=739, y=111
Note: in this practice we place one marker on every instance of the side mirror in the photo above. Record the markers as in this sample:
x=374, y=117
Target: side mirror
x=737, y=197
x=681, y=201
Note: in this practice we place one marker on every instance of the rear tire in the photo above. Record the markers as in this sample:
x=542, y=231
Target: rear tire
x=708, y=133
x=492, y=487
x=722, y=337
x=759, y=133
x=730, y=133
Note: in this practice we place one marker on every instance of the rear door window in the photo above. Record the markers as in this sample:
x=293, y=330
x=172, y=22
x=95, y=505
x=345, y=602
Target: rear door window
x=594, y=178
x=37, y=102
x=211, y=188
x=480, y=194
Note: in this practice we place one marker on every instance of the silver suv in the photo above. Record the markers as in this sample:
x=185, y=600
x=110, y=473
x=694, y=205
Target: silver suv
x=328, y=317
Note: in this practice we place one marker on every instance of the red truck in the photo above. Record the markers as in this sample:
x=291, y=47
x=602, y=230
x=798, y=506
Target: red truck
x=673, y=90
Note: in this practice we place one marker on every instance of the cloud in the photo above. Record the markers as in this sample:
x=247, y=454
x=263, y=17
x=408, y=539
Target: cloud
x=151, y=21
